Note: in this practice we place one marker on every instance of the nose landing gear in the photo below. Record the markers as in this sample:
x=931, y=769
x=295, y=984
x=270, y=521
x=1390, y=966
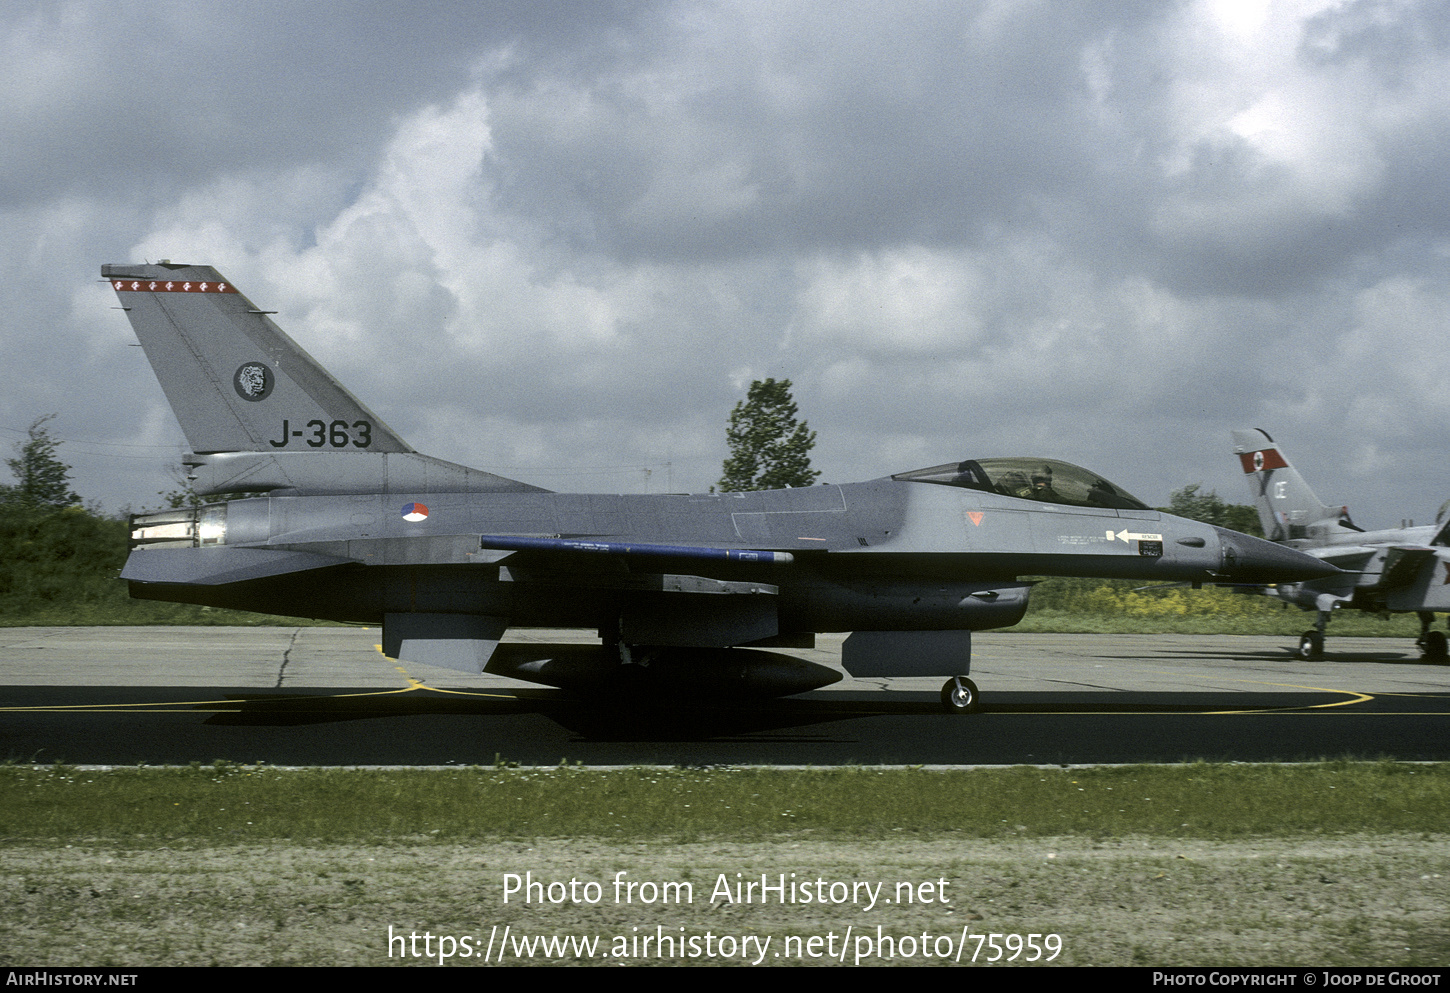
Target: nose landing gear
x=960, y=696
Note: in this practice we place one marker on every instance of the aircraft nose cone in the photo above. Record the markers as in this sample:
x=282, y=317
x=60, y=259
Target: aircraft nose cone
x=1254, y=560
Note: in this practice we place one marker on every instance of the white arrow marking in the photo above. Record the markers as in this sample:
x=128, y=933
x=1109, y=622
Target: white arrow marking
x=1129, y=536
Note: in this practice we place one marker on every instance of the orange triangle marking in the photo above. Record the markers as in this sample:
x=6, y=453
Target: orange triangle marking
x=976, y=516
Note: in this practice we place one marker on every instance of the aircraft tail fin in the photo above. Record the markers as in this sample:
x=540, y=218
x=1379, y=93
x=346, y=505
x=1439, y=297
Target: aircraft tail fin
x=260, y=413
x=1287, y=506
x=236, y=382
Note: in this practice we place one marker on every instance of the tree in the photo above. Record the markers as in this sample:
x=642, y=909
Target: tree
x=42, y=480
x=769, y=448
x=182, y=494
x=1210, y=508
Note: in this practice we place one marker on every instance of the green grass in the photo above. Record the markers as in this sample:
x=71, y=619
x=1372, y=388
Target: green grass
x=230, y=802
x=1288, y=623
x=121, y=611
x=1339, y=864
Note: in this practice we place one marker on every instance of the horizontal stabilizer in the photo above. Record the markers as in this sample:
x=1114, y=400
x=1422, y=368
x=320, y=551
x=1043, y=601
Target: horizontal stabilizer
x=219, y=565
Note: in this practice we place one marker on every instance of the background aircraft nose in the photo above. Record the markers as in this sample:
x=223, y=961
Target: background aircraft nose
x=1255, y=560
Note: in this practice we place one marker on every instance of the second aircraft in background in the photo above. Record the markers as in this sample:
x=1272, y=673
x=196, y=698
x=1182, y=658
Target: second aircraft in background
x=1396, y=570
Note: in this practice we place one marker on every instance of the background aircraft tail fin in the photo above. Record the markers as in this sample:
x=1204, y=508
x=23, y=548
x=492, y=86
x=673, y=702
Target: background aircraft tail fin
x=1287, y=506
x=236, y=382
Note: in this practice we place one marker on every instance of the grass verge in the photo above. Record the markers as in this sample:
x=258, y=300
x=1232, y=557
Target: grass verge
x=1330, y=865
x=230, y=802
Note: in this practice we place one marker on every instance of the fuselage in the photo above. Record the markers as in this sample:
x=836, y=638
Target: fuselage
x=882, y=555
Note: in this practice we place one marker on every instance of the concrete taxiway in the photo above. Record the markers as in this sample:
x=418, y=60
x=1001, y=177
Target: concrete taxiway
x=301, y=658
x=326, y=695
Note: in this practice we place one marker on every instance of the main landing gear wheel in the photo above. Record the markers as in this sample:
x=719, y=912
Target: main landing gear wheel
x=960, y=696
x=1311, y=645
x=1435, y=647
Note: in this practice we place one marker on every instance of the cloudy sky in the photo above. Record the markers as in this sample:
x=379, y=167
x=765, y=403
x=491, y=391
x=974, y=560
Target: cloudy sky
x=558, y=240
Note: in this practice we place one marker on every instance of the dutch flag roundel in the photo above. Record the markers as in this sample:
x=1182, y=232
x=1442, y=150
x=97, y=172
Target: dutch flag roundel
x=415, y=512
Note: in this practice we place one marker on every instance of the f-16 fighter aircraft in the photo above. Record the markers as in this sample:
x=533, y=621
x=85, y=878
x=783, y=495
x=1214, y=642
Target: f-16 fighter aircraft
x=1397, y=570
x=688, y=591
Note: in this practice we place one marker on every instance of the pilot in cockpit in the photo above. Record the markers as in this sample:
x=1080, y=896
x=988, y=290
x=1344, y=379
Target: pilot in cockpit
x=1037, y=486
x=1042, y=486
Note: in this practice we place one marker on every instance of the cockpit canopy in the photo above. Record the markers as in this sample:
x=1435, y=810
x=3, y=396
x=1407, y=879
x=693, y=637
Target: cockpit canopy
x=1047, y=480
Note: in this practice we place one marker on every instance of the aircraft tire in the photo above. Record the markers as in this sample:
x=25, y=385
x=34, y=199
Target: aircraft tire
x=960, y=696
x=1311, y=645
x=1436, y=648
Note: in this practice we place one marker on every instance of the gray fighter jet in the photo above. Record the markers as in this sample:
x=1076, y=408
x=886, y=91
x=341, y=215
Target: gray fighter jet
x=1396, y=570
x=687, y=591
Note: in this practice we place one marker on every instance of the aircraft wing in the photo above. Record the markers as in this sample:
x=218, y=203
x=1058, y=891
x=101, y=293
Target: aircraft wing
x=521, y=543
x=1403, y=564
x=223, y=564
x=1350, y=558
